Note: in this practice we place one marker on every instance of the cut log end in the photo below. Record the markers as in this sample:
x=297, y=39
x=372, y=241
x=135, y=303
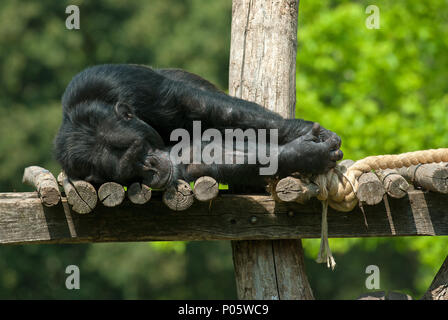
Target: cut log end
x=80, y=194
x=440, y=179
x=395, y=185
x=292, y=189
x=432, y=176
x=111, y=194
x=370, y=189
x=49, y=196
x=206, y=188
x=178, y=197
x=84, y=197
x=139, y=193
x=45, y=184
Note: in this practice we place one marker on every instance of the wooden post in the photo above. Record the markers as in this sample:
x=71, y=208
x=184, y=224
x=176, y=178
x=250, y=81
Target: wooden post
x=262, y=69
x=438, y=290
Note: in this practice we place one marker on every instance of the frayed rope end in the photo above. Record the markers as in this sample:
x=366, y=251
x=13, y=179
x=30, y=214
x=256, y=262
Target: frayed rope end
x=325, y=255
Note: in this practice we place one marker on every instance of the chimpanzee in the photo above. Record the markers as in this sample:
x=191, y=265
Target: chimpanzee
x=118, y=118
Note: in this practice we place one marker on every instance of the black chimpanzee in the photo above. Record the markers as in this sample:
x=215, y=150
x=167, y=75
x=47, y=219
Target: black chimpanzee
x=117, y=121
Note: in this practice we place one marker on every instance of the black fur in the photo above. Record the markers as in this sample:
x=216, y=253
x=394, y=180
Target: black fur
x=117, y=121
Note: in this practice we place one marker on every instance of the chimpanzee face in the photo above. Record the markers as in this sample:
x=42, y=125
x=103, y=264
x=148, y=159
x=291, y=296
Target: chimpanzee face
x=98, y=143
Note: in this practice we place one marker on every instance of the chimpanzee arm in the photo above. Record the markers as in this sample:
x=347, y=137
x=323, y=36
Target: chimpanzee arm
x=243, y=113
x=219, y=110
x=303, y=145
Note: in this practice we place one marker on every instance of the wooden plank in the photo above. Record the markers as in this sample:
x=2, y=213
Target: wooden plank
x=23, y=219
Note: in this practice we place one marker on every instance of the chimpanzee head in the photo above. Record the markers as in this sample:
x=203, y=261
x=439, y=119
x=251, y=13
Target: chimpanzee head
x=100, y=142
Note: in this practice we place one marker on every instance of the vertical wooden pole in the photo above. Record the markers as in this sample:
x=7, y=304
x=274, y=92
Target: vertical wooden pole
x=262, y=69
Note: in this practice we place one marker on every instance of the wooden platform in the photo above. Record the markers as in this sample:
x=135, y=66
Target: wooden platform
x=23, y=219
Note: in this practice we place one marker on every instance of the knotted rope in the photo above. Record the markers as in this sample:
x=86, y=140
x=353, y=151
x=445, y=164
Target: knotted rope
x=338, y=187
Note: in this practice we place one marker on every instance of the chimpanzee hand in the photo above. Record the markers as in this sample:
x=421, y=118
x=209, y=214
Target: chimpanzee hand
x=325, y=135
x=315, y=152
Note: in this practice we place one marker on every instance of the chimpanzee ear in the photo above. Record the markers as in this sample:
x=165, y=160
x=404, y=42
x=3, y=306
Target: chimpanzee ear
x=123, y=110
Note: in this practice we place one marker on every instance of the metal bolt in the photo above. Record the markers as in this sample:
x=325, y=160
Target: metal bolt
x=253, y=220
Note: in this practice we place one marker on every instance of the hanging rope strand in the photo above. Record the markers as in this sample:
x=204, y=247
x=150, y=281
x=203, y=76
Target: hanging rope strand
x=339, y=190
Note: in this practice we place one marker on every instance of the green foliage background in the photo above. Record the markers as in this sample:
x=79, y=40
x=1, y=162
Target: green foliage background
x=383, y=91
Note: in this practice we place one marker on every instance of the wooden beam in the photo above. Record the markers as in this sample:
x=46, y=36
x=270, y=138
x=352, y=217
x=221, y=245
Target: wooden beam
x=23, y=219
x=263, y=70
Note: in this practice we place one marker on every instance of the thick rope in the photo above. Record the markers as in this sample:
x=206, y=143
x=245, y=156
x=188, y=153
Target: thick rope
x=339, y=190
